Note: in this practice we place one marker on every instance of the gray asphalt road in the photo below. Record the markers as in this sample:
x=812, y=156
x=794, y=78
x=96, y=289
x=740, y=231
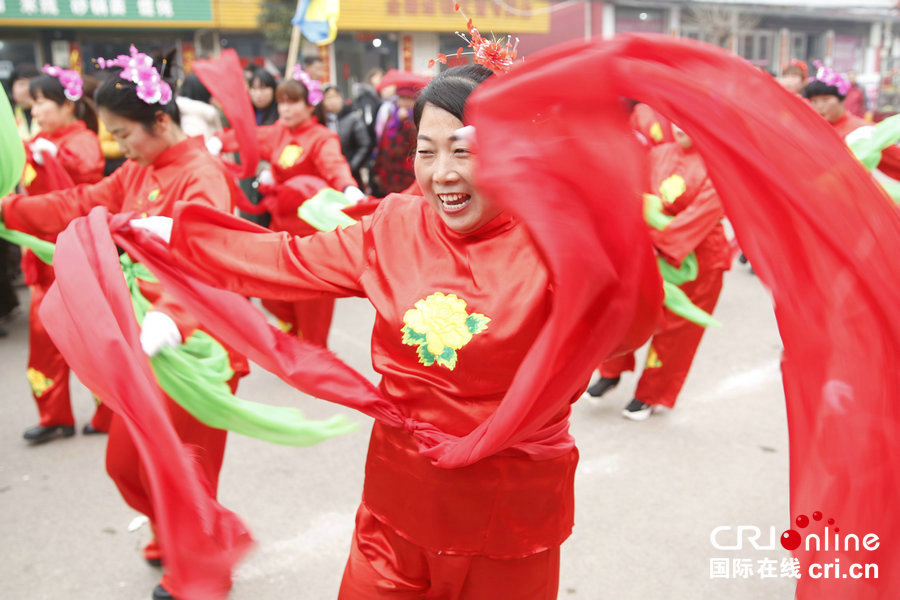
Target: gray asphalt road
x=648, y=494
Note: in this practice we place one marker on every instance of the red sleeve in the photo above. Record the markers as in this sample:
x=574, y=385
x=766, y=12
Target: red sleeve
x=82, y=158
x=48, y=214
x=330, y=162
x=211, y=186
x=228, y=139
x=890, y=162
x=266, y=137
x=691, y=226
x=234, y=254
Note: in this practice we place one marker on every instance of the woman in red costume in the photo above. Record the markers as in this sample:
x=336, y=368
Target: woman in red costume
x=66, y=152
x=827, y=93
x=460, y=293
x=298, y=145
x=163, y=166
x=678, y=175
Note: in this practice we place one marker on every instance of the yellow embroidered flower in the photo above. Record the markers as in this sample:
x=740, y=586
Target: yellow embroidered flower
x=672, y=188
x=439, y=326
x=289, y=156
x=28, y=175
x=39, y=383
x=653, y=361
x=656, y=132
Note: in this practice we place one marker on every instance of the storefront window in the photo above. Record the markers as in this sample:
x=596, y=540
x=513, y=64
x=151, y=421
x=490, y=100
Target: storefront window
x=14, y=53
x=356, y=54
x=640, y=20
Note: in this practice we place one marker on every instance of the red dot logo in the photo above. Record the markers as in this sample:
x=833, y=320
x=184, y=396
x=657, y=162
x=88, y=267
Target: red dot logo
x=790, y=540
x=817, y=516
x=802, y=521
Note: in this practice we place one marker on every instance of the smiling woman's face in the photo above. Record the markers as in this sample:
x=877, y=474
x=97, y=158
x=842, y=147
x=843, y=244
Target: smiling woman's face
x=444, y=171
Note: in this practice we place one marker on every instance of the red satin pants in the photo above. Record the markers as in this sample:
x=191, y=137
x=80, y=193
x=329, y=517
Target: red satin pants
x=672, y=350
x=309, y=319
x=383, y=565
x=124, y=465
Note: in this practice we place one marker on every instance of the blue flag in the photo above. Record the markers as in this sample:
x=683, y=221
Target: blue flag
x=317, y=20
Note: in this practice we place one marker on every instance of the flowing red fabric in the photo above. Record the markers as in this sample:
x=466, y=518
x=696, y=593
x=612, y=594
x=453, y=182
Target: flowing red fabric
x=224, y=78
x=89, y=316
x=821, y=235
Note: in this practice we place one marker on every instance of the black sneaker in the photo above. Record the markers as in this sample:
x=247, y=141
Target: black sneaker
x=603, y=385
x=637, y=410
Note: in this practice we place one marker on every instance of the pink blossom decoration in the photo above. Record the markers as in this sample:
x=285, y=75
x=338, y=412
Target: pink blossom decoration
x=828, y=76
x=70, y=80
x=314, y=86
x=138, y=68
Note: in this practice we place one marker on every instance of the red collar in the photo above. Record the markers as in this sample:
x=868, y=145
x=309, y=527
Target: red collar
x=175, y=153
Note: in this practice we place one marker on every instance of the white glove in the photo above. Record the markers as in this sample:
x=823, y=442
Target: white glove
x=214, y=145
x=158, y=331
x=40, y=146
x=265, y=177
x=354, y=194
x=161, y=227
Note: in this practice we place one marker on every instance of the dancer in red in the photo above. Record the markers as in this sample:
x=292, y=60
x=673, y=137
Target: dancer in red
x=66, y=152
x=297, y=145
x=827, y=92
x=461, y=294
x=678, y=175
x=164, y=166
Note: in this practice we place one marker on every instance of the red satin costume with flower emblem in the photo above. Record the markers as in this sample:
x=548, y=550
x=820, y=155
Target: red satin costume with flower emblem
x=308, y=149
x=185, y=171
x=408, y=264
x=79, y=159
x=697, y=228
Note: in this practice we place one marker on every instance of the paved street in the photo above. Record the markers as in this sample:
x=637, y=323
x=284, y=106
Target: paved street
x=648, y=494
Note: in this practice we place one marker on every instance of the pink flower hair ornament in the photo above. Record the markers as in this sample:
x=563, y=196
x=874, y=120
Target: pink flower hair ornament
x=313, y=86
x=828, y=76
x=493, y=54
x=70, y=80
x=138, y=68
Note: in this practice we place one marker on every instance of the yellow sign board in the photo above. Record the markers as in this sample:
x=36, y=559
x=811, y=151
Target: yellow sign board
x=497, y=16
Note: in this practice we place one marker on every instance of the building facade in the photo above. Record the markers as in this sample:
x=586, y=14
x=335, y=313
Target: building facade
x=406, y=34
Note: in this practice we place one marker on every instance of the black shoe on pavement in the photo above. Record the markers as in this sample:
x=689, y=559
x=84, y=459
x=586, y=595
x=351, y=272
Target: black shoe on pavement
x=160, y=593
x=89, y=429
x=603, y=385
x=637, y=410
x=40, y=434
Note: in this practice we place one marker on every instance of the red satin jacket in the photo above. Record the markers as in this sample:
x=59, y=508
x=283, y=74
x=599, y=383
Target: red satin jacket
x=79, y=154
x=679, y=178
x=455, y=316
x=308, y=149
x=890, y=156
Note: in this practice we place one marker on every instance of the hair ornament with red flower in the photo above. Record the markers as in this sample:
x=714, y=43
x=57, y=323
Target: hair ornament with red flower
x=313, y=86
x=138, y=68
x=828, y=76
x=493, y=53
x=70, y=80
